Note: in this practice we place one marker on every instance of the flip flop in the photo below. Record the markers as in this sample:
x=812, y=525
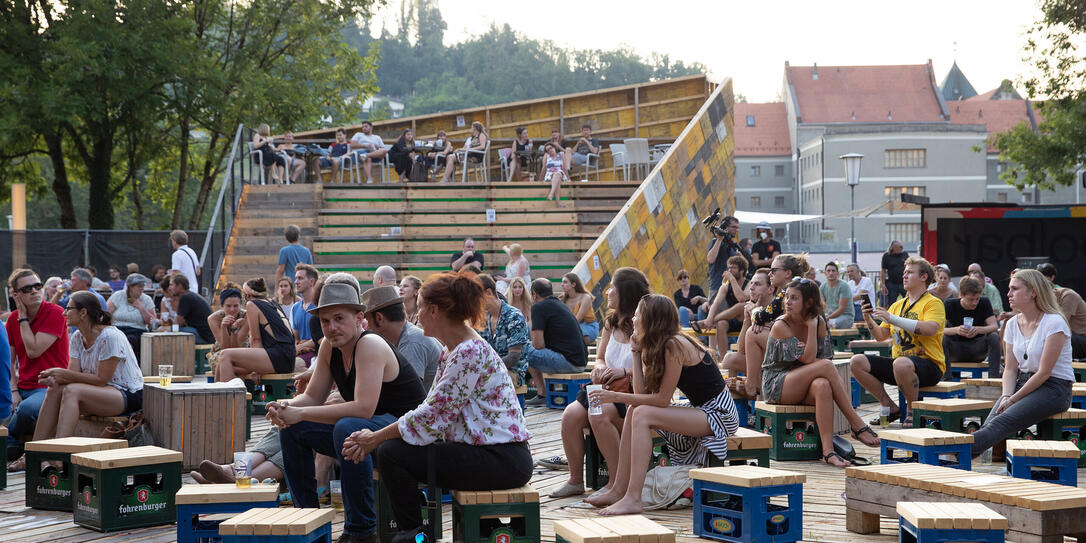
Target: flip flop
x=867, y=429
x=907, y=422
x=697, y=328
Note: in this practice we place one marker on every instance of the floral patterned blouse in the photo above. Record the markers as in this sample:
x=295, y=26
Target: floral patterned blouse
x=763, y=316
x=472, y=401
x=512, y=330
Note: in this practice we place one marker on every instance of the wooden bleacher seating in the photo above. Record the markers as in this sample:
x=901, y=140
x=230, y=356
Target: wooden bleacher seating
x=196, y=502
x=278, y=525
x=934, y=522
x=624, y=529
x=733, y=504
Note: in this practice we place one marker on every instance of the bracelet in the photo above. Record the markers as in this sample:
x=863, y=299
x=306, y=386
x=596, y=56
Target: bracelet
x=24, y=319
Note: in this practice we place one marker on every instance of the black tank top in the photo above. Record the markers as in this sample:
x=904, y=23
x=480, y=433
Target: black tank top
x=280, y=332
x=701, y=382
x=398, y=396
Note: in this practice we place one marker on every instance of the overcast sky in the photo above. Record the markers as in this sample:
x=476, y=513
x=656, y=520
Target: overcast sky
x=750, y=41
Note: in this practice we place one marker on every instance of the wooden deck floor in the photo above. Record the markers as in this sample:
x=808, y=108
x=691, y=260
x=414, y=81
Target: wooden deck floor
x=824, y=511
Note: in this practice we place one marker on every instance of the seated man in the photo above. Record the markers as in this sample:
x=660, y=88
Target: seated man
x=579, y=151
x=192, y=310
x=367, y=147
x=305, y=284
x=386, y=316
x=726, y=310
x=1073, y=309
x=556, y=338
x=837, y=296
x=972, y=330
x=468, y=257
x=916, y=323
x=81, y=280
x=378, y=385
x=990, y=290
x=761, y=293
x=336, y=153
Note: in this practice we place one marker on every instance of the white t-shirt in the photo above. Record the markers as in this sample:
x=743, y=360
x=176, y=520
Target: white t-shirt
x=185, y=261
x=110, y=343
x=126, y=314
x=372, y=139
x=865, y=284
x=1027, y=350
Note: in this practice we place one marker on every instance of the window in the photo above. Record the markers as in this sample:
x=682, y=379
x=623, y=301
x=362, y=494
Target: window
x=905, y=158
x=903, y=232
x=778, y=201
x=778, y=170
x=1001, y=196
x=755, y=171
x=894, y=193
x=1027, y=197
x=750, y=120
x=755, y=201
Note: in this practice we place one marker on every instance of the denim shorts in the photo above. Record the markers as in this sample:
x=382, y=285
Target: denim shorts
x=548, y=361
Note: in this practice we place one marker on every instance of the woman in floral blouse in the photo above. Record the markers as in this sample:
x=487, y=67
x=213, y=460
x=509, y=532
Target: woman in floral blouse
x=470, y=426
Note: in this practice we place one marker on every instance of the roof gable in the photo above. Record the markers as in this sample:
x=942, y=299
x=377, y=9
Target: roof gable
x=835, y=94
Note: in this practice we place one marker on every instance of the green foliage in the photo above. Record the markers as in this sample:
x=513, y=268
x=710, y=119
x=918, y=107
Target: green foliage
x=1048, y=157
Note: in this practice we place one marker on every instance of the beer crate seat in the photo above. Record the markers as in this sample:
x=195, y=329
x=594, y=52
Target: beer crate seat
x=50, y=477
x=120, y=489
x=1036, y=511
x=198, y=504
x=272, y=386
x=561, y=388
x=941, y=390
x=1053, y=461
x=3, y=456
x=203, y=421
x=841, y=337
x=952, y=414
x=793, y=429
x=987, y=388
x=263, y=525
x=974, y=370
x=624, y=529
x=477, y=515
x=386, y=522
x=932, y=522
x=93, y=425
x=743, y=504
x=1078, y=395
x=744, y=404
x=925, y=445
x=177, y=349
x=1070, y=426
x=200, y=363
x=870, y=346
x=861, y=326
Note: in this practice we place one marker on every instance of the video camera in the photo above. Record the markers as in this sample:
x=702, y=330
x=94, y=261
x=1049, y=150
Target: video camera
x=712, y=223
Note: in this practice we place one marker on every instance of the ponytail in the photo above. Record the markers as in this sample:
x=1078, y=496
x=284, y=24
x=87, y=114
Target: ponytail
x=89, y=302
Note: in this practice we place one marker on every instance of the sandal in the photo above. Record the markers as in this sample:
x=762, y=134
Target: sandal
x=877, y=421
x=907, y=422
x=827, y=457
x=697, y=327
x=865, y=429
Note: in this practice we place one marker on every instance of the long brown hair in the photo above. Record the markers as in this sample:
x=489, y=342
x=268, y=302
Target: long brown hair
x=630, y=285
x=659, y=327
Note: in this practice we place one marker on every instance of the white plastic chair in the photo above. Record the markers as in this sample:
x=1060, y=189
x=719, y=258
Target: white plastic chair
x=618, y=159
x=506, y=163
x=386, y=165
x=260, y=163
x=656, y=154
x=462, y=157
x=637, y=155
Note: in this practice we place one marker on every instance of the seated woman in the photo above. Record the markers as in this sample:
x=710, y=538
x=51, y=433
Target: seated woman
x=579, y=302
x=614, y=364
x=409, y=289
x=522, y=144
x=103, y=377
x=797, y=367
x=784, y=268
x=761, y=293
x=168, y=305
x=476, y=441
x=285, y=295
x=229, y=325
x=271, y=343
x=132, y=311
x=269, y=157
x=442, y=149
x=517, y=266
x=688, y=298
x=943, y=288
x=1037, y=377
x=553, y=171
x=294, y=163
x=665, y=359
x=400, y=154
x=473, y=150
x=518, y=297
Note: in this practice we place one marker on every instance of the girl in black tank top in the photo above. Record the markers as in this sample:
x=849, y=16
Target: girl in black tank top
x=276, y=342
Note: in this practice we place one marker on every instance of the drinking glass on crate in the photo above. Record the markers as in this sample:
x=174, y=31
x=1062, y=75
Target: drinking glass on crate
x=243, y=470
x=165, y=374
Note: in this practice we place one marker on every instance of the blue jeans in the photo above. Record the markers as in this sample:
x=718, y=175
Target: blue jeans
x=200, y=340
x=1053, y=396
x=590, y=330
x=301, y=440
x=25, y=417
x=684, y=316
x=548, y=361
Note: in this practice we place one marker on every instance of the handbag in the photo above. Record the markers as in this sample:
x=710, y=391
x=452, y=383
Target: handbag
x=846, y=451
x=419, y=172
x=134, y=431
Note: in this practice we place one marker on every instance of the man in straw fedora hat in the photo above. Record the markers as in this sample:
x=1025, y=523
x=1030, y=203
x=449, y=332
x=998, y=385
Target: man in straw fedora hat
x=378, y=386
x=387, y=317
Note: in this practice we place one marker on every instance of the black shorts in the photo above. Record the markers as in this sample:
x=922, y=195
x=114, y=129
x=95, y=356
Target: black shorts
x=927, y=372
x=282, y=357
x=133, y=401
x=582, y=398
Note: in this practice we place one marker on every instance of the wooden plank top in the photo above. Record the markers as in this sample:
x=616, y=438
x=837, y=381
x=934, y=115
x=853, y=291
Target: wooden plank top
x=3, y=431
x=864, y=343
x=567, y=376
x=1078, y=365
x=524, y=494
x=842, y=355
x=844, y=332
x=226, y=493
x=950, y=405
x=275, y=377
x=1078, y=389
x=746, y=439
x=1042, y=449
x=621, y=529
x=985, y=382
x=968, y=365
x=165, y=334
x=277, y=521
x=944, y=386
x=76, y=444
x=748, y=476
x=781, y=408
x=194, y=388
x=175, y=379
x=1072, y=413
x=951, y=515
x=122, y=458
x=926, y=436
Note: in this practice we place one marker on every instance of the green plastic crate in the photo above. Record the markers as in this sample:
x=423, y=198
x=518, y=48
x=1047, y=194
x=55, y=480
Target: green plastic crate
x=138, y=492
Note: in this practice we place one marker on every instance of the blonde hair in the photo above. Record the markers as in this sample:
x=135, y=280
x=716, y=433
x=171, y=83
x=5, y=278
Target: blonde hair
x=515, y=250
x=1046, y=297
x=525, y=297
x=264, y=130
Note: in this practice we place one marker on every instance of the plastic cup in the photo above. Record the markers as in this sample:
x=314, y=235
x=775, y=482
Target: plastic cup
x=967, y=322
x=165, y=374
x=175, y=328
x=884, y=417
x=594, y=406
x=243, y=469
x=335, y=490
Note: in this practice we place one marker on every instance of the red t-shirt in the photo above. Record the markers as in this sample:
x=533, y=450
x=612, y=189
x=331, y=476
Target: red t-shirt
x=50, y=319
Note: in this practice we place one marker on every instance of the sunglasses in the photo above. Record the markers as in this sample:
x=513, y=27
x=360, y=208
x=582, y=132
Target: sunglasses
x=805, y=281
x=29, y=288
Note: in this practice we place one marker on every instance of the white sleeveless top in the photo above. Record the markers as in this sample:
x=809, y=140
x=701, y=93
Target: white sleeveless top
x=618, y=355
x=511, y=271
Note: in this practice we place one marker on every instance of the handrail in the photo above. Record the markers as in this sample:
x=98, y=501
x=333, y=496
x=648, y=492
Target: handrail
x=229, y=180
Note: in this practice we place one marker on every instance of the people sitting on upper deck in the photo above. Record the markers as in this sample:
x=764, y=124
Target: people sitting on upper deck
x=273, y=163
x=553, y=171
x=400, y=154
x=367, y=147
x=523, y=145
x=271, y=341
x=337, y=151
x=294, y=162
x=443, y=147
x=579, y=150
x=473, y=150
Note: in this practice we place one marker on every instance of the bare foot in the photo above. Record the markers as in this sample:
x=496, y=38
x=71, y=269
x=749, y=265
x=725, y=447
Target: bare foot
x=834, y=459
x=866, y=436
x=604, y=499
x=625, y=506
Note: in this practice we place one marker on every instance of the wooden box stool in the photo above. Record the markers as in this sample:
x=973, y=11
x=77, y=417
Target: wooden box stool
x=562, y=388
x=126, y=488
x=1080, y=371
x=175, y=348
x=745, y=447
x=196, y=500
x=1067, y=426
x=477, y=515
x=285, y=525
x=736, y=503
x=50, y=476
x=953, y=414
x=841, y=337
x=941, y=390
x=925, y=445
x=203, y=421
x=870, y=346
x=988, y=388
x=1052, y=461
x=860, y=395
x=795, y=435
x=946, y=522
x=4, y=456
x=273, y=386
x=386, y=522
x=974, y=370
x=1078, y=395
x=627, y=529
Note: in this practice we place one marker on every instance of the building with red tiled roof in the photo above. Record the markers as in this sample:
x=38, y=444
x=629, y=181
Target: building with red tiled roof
x=866, y=94
x=763, y=160
x=761, y=130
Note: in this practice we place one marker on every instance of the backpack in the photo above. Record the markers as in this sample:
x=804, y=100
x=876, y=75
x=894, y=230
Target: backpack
x=419, y=172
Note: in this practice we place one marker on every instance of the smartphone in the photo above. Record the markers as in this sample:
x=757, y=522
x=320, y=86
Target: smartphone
x=866, y=307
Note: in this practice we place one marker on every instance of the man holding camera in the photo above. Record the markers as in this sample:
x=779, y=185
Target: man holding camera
x=721, y=248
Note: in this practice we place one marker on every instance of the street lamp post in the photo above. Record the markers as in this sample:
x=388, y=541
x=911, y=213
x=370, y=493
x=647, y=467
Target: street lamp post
x=852, y=175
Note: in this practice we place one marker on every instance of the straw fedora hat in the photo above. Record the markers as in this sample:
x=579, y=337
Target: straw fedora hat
x=338, y=294
x=380, y=298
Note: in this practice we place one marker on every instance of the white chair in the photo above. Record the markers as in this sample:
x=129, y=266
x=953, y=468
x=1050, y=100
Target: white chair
x=263, y=169
x=505, y=160
x=386, y=165
x=484, y=163
x=592, y=160
x=258, y=158
x=637, y=155
x=352, y=165
x=656, y=154
x=618, y=159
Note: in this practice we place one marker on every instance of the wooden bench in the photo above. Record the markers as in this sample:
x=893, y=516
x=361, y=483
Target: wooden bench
x=561, y=388
x=793, y=430
x=925, y=445
x=733, y=504
x=195, y=502
x=931, y=522
x=975, y=370
x=1036, y=512
x=624, y=529
x=1054, y=461
x=952, y=414
x=126, y=488
x=987, y=388
x=472, y=507
x=50, y=477
x=279, y=525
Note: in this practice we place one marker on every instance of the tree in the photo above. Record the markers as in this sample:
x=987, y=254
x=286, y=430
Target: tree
x=1048, y=157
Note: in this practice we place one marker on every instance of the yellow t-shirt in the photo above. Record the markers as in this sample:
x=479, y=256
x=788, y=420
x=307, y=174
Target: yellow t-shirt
x=927, y=308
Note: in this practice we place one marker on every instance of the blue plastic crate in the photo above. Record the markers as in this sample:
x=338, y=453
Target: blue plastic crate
x=740, y=514
x=1062, y=471
x=562, y=391
x=191, y=528
x=925, y=454
x=910, y=534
